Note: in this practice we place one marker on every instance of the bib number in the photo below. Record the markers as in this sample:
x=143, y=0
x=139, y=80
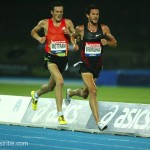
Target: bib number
x=92, y=49
x=58, y=48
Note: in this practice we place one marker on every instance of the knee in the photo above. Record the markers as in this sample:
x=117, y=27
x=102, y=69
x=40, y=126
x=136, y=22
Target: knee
x=60, y=82
x=93, y=91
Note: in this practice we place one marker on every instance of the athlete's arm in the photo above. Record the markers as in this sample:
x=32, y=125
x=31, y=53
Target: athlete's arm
x=78, y=34
x=110, y=40
x=36, y=29
x=70, y=26
x=71, y=30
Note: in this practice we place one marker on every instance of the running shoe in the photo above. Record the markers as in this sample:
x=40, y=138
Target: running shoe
x=101, y=126
x=68, y=98
x=34, y=101
x=62, y=120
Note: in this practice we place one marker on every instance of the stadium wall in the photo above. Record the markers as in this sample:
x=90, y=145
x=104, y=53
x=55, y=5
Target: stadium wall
x=124, y=77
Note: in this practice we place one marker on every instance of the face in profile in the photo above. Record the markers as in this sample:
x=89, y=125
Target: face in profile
x=57, y=13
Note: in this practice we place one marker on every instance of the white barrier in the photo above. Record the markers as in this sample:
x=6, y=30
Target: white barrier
x=13, y=108
x=122, y=118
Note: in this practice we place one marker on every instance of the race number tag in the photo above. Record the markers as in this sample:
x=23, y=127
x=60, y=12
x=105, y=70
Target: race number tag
x=58, y=48
x=92, y=49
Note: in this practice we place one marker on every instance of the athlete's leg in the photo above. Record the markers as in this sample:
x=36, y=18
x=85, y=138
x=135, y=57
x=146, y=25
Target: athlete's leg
x=90, y=84
x=57, y=77
x=59, y=81
x=81, y=92
x=46, y=87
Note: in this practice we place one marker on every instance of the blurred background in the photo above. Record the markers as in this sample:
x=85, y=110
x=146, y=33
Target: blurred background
x=129, y=22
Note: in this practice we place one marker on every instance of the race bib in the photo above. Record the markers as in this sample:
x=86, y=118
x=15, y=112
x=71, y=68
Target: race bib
x=92, y=49
x=58, y=48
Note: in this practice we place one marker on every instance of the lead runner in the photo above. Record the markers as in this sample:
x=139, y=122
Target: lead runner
x=94, y=37
x=57, y=31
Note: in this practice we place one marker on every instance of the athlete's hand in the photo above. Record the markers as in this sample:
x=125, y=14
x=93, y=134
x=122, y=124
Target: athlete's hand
x=41, y=39
x=104, y=42
x=75, y=47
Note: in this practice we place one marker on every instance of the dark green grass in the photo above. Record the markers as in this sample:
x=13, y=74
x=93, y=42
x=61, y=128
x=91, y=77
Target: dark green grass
x=111, y=94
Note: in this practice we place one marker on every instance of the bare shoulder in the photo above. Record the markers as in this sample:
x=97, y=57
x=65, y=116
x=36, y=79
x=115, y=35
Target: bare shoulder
x=43, y=22
x=80, y=28
x=104, y=27
x=68, y=21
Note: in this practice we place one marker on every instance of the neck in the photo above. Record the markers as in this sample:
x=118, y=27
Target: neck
x=56, y=21
x=92, y=27
x=92, y=24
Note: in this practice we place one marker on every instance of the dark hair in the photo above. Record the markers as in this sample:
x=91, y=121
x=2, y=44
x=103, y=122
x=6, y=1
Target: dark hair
x=89, y=7
x=56, y=4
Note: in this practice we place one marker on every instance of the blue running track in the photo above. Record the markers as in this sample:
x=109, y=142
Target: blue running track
x=30, y=138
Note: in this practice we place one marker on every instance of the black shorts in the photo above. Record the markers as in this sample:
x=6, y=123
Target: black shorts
x=94, y=71
x=61, y=62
